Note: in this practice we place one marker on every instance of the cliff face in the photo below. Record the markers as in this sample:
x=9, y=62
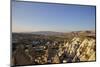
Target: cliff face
x=79, y=49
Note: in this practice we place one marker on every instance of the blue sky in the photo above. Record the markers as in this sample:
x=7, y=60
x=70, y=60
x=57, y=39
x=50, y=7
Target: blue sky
x=29, y=17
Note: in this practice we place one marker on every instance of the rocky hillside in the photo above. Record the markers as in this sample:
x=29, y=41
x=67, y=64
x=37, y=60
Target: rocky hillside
x=79, y=49
x=36, y=50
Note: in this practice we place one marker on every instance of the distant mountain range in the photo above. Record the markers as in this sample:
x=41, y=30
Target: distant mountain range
x=48, y=33
x=53, y=33
x=88, y=32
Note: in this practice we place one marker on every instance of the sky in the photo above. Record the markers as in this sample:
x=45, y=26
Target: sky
x=33, y=16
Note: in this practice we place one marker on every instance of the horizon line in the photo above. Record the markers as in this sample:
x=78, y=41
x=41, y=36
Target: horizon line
x=53, y=31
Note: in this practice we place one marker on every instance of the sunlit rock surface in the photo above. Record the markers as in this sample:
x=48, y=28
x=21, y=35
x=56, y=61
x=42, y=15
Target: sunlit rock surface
x=82, y=50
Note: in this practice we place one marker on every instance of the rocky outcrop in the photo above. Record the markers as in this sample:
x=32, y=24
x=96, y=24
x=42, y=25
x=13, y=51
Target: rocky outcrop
x=80, y=49
x=43, y=51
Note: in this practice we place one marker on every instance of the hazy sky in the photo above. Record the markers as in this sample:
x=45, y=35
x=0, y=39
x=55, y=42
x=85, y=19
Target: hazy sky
x=30, y=16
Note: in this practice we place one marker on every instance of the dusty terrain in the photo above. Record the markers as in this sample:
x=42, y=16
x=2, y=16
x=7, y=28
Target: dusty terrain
x=29, y=48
